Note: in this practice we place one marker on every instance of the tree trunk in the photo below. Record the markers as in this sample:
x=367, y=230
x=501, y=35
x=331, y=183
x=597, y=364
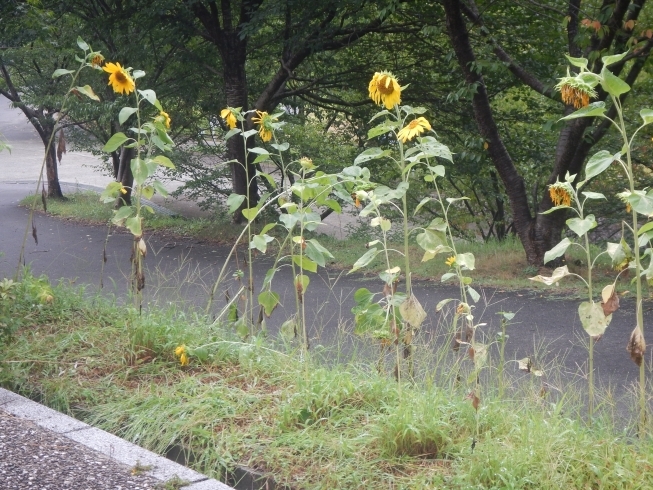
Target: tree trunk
x=51, y=170
x=243, y=173
x=124, y=175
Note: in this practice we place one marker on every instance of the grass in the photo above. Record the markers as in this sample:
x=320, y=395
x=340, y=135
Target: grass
x=311, y=424
x=498, y=264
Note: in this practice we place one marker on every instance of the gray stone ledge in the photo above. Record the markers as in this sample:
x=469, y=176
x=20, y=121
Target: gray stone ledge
x=112, y=446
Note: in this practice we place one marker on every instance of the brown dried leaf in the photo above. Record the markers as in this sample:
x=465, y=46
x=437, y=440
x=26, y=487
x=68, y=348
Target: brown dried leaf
x=61, y=147
x=44, y=199
x=476, y=401
x=34, y=235
x=412, y=311
x=610, y=298
x=636, y=346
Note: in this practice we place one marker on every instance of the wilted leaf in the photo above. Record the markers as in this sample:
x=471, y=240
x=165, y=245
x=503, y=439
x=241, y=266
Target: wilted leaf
x=412, y=311
x=592, y=318
x=478, y=353
x=526, y=364
x=142, y=248
x=610, y=302
x=476, y=401
x=269, y=301
x=441, y=304
x=636, y=346
x=558, y=274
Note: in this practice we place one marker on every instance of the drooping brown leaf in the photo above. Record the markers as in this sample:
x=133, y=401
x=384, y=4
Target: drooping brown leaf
x=636, y=346
x=44, y=199
x=471, y=352
x=61, y=146
x=610, y=302
x=476, y=401
x=34, y=235
x=455, y=345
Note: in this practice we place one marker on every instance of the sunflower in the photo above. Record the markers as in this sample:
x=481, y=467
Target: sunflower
x=229, y=115
x=180, y=352
x=575, y=91
x=164, y=118
x=624, y=196
x=97, y=60
x=384, y=89
x=414, y=128
x=265, y=121
x=560, y=194
x=119, y=79
x=450, y=261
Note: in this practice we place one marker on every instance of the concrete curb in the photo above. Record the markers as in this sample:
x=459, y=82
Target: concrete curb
x=109, y=445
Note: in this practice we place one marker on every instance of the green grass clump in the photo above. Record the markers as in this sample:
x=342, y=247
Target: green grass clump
x=309, y=424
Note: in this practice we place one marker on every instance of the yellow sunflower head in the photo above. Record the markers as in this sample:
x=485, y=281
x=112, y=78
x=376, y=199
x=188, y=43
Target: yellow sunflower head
x=96, y=60
x=385, y=90
x=164, y=118
x=450, y=261
x=561, y=193
x=229, y=115
x=265, y=125
x=181, y=349
x=414, y=128
x=119, y=79
x=183, y=360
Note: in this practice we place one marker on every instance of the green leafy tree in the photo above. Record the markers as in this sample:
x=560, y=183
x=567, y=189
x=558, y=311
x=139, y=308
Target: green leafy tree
x=588, y=29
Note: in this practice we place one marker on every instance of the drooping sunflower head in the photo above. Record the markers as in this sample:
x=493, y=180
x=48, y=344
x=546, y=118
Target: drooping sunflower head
x=265, y=125
x=306, y=163
x=561, y=193
x=119, y=79
x=385, y=90
x=180, y=349
x=229, y=115
x=96, y=60
x=576, y=90
x=164, y=118
x=414, y=128
x=624, y=197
